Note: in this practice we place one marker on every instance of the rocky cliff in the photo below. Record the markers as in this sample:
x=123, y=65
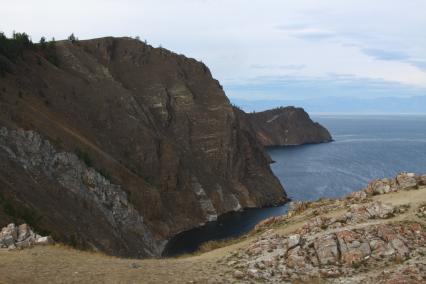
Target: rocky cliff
x=114, y=145
x=287, y=126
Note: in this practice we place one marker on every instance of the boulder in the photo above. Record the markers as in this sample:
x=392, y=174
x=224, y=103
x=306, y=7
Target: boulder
x=24, y=232
x=327, y=250
x=406, y=181
x=22, y=236
x=372, y=210
x=44, y=241
x=353, y=247
x=421, y=179
x=238, y=274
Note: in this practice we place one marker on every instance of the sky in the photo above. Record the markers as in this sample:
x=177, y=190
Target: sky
x=259, y=49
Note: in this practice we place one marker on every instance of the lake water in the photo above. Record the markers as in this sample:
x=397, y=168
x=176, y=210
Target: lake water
x=365, y=148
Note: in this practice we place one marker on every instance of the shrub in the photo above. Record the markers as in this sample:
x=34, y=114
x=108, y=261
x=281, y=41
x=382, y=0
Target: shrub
x=105, y=174
x=43, y=43
x=13, y=48
x=84, y=157
x=72, y=38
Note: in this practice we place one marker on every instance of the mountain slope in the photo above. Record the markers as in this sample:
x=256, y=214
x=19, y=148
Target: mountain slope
x=117, y=114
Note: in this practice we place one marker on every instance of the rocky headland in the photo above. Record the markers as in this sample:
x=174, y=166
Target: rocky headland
x=287, y=126
x=112, y=145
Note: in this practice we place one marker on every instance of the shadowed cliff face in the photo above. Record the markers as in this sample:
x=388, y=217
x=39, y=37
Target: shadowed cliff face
x=287, y=126
x=151, y=124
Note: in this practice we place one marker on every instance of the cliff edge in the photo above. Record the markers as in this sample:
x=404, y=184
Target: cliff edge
x=114, y=145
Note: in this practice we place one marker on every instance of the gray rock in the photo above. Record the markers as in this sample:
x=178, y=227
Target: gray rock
x=327, y=250
x=406, y=181
x=44, y=241
x=238, y=274
x=21, y=237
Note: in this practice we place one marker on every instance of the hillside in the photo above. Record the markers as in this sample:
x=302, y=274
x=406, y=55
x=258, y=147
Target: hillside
x=287, y=126
x=376, y=235
x=113, y=145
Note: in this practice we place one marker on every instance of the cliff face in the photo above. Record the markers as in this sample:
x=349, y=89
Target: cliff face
x=124, y=146
x=287, y=126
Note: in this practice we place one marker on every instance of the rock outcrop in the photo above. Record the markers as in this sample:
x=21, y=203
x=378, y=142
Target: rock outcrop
x=351, y=240
x=22, y=236
x=123, y=146
x=287, y=126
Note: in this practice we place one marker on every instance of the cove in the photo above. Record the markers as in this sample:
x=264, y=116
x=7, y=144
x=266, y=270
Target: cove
x=364, y=148
x=227, y=226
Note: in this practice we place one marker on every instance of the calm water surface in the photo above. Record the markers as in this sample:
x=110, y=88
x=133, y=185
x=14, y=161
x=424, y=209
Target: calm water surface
x=365, y=148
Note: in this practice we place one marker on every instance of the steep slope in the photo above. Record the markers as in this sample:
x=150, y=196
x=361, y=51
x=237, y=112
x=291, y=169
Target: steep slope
x=124, y=146
x=287, y=126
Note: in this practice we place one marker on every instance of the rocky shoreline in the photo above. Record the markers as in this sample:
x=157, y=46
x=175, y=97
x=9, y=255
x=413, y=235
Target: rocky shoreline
x=356, y=239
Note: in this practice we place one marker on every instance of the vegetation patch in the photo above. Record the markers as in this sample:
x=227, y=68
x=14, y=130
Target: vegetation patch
x=84, y=156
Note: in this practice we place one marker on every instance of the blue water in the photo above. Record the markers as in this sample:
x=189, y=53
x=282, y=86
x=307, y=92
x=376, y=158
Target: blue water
x=365, y=148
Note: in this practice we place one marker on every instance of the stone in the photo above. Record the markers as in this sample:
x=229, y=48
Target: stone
x=400, y=247
x=238, y=274
x=406, y=181
x=380, y=210
x=293, y=240
x=327, y=250
x=7, y=241
x=231, y=263
x=372, y=210
x=254, y=273
x=135, y=265
x=44, y=241
x=422, y=180
x=21, y=237
x=24, y=232
x=358, y=195
x=353, y=247
x=295, y=258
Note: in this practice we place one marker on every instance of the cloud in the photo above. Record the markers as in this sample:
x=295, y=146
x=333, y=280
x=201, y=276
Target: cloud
x=306, y=33
x=419, y=64
x=285, y=67
x=332, y=85
x=385, y=54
